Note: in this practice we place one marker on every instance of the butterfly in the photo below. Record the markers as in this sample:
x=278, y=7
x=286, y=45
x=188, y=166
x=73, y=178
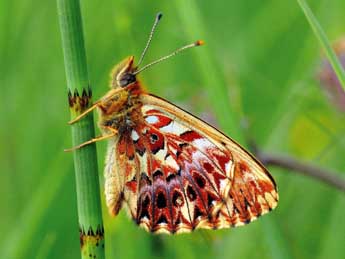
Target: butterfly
x=172, y=171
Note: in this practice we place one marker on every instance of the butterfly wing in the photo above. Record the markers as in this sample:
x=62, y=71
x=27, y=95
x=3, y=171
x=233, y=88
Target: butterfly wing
x=182, y=174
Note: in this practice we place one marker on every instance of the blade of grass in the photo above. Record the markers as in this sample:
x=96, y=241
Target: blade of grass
x=321, y=35
x=85, y=159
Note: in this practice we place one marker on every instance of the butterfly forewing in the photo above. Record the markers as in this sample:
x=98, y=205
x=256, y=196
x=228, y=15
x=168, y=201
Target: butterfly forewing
x=180, y=174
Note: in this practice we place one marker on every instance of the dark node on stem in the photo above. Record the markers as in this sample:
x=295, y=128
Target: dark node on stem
x=79, y=102
x=91, y=235
x=81, y=237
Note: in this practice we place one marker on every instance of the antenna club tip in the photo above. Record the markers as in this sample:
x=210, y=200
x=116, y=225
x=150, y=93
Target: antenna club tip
x=199, y=43
x=159, y=16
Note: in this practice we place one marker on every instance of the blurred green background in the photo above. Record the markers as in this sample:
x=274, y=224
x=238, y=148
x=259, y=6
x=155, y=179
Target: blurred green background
x=263, y=55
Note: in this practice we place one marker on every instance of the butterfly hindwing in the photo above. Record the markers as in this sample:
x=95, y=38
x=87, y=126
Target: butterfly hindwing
x=180, y=174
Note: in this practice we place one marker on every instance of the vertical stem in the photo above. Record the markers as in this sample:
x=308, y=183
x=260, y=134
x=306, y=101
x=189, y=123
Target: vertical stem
x=85, y=159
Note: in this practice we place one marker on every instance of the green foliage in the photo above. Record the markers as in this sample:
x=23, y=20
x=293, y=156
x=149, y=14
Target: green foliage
x=263, y=55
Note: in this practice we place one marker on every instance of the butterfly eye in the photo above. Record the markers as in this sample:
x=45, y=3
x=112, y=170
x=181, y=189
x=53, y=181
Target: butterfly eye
x=126, y=79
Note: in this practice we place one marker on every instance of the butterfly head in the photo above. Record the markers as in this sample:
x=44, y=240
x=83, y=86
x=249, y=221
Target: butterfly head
x=123, y=73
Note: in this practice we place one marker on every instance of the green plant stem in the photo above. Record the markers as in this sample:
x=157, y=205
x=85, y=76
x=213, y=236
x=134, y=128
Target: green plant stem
x=85, y=159
x=321, y=35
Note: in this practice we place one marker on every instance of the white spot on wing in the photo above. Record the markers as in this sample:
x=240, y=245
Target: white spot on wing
x=223, y=184
x=202, y=144
x=134, y=135
x=228, y=167
x=160, y=155
x=172, y=162
x=168, y=128
x=151, y=119
x=174, y=128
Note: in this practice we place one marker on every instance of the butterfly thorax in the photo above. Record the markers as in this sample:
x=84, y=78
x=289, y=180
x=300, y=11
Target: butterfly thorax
x=117, y=108
x=122, y=102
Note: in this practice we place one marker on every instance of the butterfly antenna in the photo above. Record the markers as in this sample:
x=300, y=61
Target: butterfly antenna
x=195, y=44
x=158, y=17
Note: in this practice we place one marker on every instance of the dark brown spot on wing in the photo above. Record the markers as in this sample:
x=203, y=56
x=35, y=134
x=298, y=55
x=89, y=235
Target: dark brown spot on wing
x=161, y=201
x=177, y=199
x=191, y=193
x=157, y=174
x=200, y=180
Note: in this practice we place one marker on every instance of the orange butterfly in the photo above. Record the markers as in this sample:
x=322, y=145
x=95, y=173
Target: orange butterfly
x=174, y=172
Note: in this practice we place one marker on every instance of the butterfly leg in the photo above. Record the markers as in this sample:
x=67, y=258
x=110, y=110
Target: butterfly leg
x=96, y=104
x=112, y=133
